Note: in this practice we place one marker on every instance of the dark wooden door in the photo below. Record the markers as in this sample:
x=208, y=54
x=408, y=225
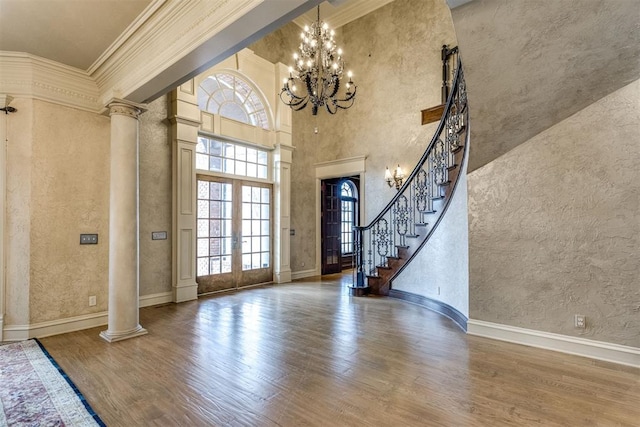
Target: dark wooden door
x=331, y=255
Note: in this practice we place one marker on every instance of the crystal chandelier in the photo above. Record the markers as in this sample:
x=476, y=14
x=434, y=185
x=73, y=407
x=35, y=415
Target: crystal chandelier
x=317, y=74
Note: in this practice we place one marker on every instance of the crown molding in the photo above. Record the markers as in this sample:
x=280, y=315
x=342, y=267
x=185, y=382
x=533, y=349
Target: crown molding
x=30, y=76
x=337, y=16
x=175, y=29
x=126, y=34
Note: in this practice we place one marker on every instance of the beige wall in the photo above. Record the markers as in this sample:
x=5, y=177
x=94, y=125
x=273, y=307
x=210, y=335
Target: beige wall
x=58, y=188
x=67, y=195
x=394, y=53
x=18, y=174
x=555, y=227
x=155, y=198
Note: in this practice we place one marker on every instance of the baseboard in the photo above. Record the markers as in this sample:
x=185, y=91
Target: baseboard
x=72, y=324
x=599, y=350
x=433, y=305
x=54, y=327
x=303, y=274
x=155, y=299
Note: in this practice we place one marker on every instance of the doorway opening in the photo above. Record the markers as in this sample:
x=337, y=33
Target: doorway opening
x=340, y=212
x=234, y=233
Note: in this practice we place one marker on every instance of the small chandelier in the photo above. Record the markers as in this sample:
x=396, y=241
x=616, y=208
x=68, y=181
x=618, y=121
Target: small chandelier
x=316, y=76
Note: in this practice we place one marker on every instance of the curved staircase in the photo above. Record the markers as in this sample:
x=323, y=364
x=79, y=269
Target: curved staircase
x=386, y=245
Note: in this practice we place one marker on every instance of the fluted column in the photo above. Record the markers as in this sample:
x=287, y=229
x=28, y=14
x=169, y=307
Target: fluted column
x=123, y=320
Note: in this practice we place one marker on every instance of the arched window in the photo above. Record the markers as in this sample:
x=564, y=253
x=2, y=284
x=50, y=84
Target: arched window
x=232, y=97
x=348, y=201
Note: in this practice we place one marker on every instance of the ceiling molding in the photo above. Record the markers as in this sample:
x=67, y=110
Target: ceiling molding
x=343, y=13
x=29, y=76
x=176, y=29
x=126, y=34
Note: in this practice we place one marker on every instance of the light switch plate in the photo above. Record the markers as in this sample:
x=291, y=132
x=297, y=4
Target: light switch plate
x=88, y=239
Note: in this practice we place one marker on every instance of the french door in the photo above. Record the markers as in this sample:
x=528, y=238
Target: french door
x=331, y=236
x=234, y=234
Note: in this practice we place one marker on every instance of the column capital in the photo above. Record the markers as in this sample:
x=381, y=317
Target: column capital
x=123, y=107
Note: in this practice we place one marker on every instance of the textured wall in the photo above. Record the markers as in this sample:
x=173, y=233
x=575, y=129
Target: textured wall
x=17, y=227
x=394, y=53
x=69, y=196
x=155, y=198
x=444, y=261
x=531, y=64
x=57, y=188
x=555, y=227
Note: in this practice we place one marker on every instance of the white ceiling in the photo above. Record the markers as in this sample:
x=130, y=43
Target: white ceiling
x=72, y=32
x=78, y=32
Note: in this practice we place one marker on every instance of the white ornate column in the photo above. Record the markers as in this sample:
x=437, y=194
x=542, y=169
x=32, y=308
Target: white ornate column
x=123, y=320
x=185, y=122
x=4, y=103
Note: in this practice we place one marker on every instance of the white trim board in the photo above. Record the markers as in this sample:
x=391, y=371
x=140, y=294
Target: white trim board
x=599, y=350
x=54, y=327
x=303, y=274
x=72, y=324
x=155, y=299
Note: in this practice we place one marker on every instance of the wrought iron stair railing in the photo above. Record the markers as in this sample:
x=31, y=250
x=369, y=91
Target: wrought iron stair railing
x=384, y=247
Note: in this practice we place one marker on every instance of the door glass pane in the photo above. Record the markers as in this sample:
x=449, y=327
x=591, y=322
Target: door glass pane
x=203, y=247
x=226, y=264
x=203, y=266
x=256, y=231
x=214, y=228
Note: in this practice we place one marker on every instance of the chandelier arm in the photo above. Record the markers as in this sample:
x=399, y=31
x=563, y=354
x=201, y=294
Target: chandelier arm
x=290, y=93
x=294, y=101
x=328, y=107
x=351, y=96
x=336, y=86
x=299, y=106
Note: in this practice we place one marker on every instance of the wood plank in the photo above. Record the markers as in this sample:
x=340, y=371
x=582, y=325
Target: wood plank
x=308, y=354
x=433, y=114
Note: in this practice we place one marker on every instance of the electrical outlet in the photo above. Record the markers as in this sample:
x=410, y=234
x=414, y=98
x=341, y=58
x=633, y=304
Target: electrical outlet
x=92, y=300
x=580, y=321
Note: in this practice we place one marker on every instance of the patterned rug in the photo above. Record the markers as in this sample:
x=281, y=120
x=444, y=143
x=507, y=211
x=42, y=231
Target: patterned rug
x=34, y=391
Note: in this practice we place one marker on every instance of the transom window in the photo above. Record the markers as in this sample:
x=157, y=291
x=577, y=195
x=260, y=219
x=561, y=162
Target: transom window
x=231, y=97
x=227, y=157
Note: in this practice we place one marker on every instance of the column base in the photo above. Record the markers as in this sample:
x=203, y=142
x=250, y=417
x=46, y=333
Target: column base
x=110, y=336
x=182, y=293
x=283, y=276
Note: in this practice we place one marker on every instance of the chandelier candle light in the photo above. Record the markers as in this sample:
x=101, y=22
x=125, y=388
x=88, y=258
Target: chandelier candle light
x=317, y=74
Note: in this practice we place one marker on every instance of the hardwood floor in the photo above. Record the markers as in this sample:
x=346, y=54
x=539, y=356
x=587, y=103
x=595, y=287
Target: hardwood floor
x=307, y=354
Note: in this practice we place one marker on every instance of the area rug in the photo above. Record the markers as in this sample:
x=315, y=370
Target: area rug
x=34, y=391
